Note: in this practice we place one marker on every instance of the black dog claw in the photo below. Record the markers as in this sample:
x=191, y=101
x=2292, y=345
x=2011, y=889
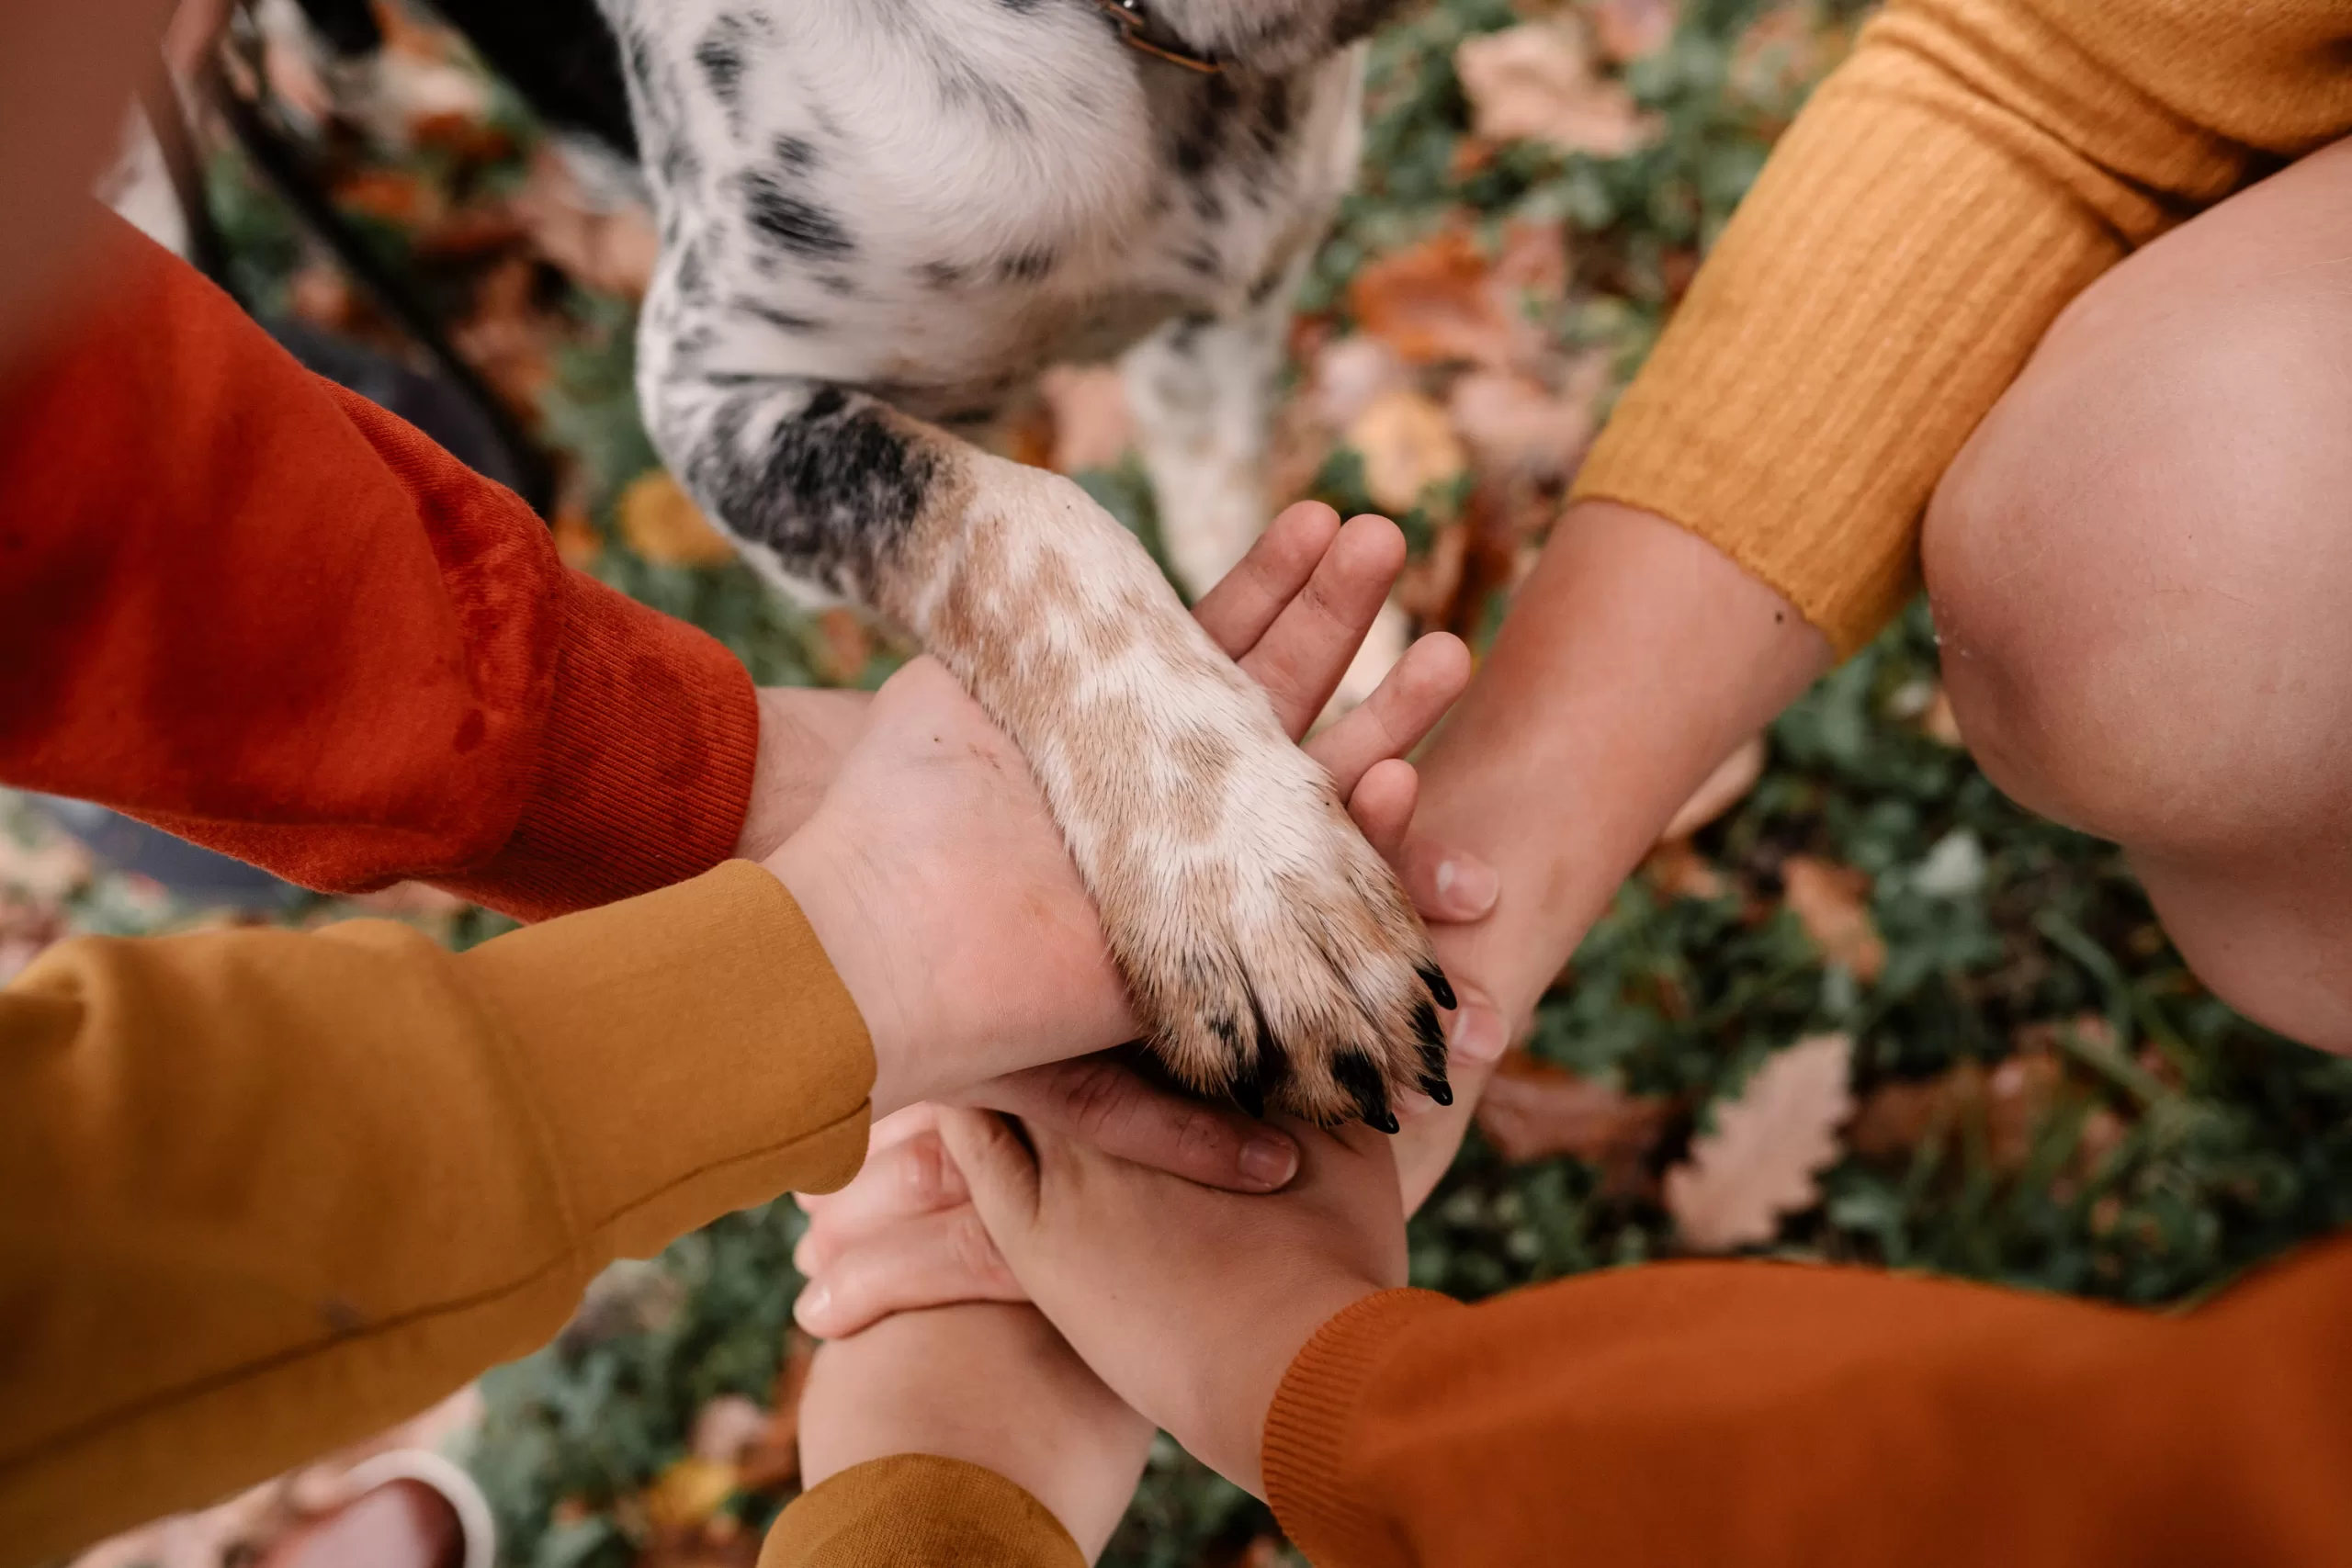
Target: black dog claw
x=1440, y=987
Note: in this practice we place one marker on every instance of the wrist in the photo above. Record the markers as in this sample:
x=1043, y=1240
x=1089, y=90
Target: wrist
x=805, y=731
x=839, y=897
x=1232, y=1428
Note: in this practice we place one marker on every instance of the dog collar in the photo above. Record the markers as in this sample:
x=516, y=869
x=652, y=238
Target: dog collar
x=1138, y=29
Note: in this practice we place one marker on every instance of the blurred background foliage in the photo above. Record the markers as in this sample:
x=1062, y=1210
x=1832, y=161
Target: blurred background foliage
x=2022, y=1082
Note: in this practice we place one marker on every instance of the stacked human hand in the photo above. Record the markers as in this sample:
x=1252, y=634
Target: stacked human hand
x=942, y=1356
x=935, y=880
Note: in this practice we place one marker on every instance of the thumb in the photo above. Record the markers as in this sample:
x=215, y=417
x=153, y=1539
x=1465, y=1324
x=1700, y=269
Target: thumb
x=997, y=1168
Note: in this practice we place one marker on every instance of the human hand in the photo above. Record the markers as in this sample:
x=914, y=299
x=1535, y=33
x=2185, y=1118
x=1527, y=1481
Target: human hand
x=937, y=883
x=1189, y=1303
x=994, y=1386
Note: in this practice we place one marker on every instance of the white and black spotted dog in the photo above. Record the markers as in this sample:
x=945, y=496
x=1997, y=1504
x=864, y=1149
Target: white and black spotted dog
x=879, y=220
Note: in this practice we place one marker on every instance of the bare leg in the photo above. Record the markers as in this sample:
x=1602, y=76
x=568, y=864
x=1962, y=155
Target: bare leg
x=2142, y=565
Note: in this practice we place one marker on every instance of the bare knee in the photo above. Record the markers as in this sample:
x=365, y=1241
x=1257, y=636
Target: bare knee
x=2139, y=567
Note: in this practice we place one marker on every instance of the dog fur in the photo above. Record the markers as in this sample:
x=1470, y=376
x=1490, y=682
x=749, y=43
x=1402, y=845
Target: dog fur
x=880, y=219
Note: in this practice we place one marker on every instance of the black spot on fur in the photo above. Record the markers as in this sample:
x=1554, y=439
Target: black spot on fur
x=832, y=490
x=720, y=55
x=942, y=274
x=792, y=222
x=1265, y=288
x=782, y=320
x=796, y=153
x=836, y=284
x=1356, y=1074
x=1027, y=265
x=1199, y=260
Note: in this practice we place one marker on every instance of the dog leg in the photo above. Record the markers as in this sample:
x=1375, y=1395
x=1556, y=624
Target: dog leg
x=1266, y=944
x=1201, y=391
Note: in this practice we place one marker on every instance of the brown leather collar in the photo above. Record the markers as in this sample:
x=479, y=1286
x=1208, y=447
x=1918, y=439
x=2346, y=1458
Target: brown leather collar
x=1138, y=29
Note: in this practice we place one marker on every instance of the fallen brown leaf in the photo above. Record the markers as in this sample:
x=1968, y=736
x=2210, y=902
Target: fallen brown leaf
x=1515, y=426
x=1677, y=870
x=1348, y=375
x=1089, y=405
x=1534, y=1110
x=1768, y=1143
x=1939, y=723
x=609, y=247
x=1436, y=302
x=1628, y=29
x=1536, y=82
x=842, y=645
x=662, y=522
x=1407, y=445
x=1720, y=790
x=1832, y=902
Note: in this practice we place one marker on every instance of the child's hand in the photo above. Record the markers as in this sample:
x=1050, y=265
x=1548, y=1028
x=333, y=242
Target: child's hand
x=1188, y=1302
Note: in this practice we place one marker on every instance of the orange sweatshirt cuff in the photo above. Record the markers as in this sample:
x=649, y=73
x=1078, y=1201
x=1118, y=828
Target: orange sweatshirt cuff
x=768, y=1094
x=644, y=772
x=918, y=1508
x=1304, y=1453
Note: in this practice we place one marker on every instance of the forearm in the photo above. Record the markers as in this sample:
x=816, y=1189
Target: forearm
x=1756, y=1413
x=266, y=1192
x=257, y=610
x=972, y=1425
x=1635, y=657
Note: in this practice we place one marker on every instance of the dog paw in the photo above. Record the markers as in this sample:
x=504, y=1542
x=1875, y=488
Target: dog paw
x=1274, y=956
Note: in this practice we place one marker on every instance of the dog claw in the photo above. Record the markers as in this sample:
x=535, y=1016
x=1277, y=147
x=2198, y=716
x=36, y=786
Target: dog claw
x=1437, y=1089
x=1440, y=987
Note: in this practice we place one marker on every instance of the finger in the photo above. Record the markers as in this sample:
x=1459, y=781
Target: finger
x=1404, y=707
x=1099, y=1101
x=1452, y=885
x=1247, y=599
x=909, y=1178
x=927, y=1262
x=895, y=1128
x=1301, y=658
x=997, y=1167
x=1383, y=804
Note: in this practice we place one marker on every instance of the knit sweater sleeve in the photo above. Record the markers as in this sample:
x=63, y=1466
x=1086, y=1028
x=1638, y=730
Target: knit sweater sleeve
x=263, y=1192
x=254, y=609
x=1760, y=1412
x=918, y=1511
x=1973, y=166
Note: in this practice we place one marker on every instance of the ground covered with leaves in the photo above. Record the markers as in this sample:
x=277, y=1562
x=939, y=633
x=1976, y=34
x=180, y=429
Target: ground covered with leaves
x=1869, y=1012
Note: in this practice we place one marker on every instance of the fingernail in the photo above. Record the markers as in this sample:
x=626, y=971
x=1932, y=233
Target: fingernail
x=1268, y=1162
x=1467, y=886
x=812, y=1302
x=1478, y=1034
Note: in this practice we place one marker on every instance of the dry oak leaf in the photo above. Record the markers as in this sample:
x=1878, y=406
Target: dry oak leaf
x=1092, y=427
x=1534, y=1111
x=1407, y=445
x=1768, y=1143
x=662, y=522
x=1438, y=300
x=1628, y=29
x=1832, y=902
x=1516, y=427
x=1536, y=82
x=609, y=247
x=1720, y=790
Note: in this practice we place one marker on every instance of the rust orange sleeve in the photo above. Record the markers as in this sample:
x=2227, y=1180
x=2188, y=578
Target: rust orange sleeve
x=256, y=610
x=1766, y=1414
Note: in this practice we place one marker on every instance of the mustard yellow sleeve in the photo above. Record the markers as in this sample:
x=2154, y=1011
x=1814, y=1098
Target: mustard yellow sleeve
x=918, y=1511
x=1971, y=168
x=264, y=1192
